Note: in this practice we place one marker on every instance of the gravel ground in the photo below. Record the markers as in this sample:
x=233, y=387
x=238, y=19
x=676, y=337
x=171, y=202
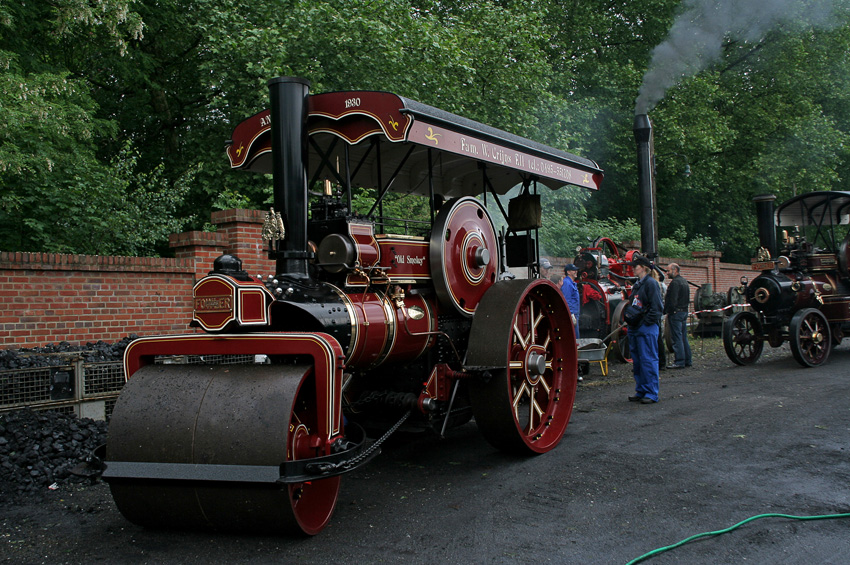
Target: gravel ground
x=725, y=443
x=38, y=450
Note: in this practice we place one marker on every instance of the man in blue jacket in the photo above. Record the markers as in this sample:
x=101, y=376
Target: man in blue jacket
x=570, y=292
x=642, y=315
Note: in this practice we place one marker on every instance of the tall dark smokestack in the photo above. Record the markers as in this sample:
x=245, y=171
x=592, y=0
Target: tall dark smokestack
x=646, y=185
x=289, y=109
x=766, y=222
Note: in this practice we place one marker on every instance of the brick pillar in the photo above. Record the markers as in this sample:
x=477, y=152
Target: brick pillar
x=712, y=263
x=242, y=232
x=203, y=247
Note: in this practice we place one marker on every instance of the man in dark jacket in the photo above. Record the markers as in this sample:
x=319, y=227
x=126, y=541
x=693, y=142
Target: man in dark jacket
x=676, y=305
x=642, y=315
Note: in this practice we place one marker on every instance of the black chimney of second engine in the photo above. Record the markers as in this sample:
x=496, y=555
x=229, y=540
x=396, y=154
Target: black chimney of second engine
x=646, y=185
x=289, y=107
x=766, y=222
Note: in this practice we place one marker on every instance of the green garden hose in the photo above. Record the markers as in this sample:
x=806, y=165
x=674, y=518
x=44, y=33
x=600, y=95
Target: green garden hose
x=729, y=529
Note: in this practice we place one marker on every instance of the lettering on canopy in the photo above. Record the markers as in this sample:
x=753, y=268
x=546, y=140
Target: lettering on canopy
x=462, y=144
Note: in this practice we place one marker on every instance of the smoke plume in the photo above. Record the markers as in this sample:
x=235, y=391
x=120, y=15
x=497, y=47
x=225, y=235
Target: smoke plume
x=696, y=38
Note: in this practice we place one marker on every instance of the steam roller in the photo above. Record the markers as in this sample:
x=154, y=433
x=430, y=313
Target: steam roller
x=369, y=324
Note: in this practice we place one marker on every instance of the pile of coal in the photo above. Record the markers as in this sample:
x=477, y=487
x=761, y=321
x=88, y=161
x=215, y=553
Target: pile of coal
x=63, y=353
x=38, y=450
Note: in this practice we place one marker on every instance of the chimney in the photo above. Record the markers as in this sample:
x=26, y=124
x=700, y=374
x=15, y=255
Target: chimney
x=766, y=222
x=646, y=185
x=289, y=106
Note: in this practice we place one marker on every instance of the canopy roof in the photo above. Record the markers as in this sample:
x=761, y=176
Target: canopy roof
x=824, y=208
x=393, y=141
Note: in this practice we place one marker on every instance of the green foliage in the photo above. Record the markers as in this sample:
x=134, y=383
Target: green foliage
x=680, y=247
x=96, y=209
x=110, y=105
x=404, y=213
x=57, y=193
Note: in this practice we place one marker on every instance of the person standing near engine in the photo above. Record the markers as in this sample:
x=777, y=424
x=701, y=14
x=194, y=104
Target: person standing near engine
x=642, y=315
x=676, y=305
x=545, y=267
x=570, y=292
x=662, y=356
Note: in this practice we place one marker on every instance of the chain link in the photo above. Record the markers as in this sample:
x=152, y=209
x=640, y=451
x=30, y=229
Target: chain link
x=351, y=463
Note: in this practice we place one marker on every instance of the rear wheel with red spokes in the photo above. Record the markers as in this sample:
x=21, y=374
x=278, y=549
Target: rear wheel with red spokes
x=525, y=407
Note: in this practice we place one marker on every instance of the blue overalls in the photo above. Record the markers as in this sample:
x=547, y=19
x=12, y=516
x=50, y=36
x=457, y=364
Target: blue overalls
x=643, y=338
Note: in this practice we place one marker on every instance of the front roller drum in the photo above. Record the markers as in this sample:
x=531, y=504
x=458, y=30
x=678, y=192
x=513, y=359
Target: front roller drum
x=247, y=415
x=526, y=405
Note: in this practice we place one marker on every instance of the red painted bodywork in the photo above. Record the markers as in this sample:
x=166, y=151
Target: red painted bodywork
x=324, y=349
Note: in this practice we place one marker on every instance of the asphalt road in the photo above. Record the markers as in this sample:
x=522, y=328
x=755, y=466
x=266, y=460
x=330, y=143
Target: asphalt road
x=725, y=444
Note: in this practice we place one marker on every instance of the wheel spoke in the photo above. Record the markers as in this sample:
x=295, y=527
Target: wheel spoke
x=535, y=322
x=518, y=396
x=535, y=410
x=523, y=341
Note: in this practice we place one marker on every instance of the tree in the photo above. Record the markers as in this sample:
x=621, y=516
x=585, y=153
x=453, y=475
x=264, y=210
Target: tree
x=57, y=194
x=166, y=81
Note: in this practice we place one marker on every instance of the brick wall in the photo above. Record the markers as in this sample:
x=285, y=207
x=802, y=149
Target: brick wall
x=48, y=298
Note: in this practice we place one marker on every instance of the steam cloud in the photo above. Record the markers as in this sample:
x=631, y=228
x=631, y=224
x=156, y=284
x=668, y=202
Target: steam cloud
x=696, y=38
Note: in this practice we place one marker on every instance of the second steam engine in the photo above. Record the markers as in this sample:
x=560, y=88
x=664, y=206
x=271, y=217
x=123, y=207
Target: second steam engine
x=802, y=294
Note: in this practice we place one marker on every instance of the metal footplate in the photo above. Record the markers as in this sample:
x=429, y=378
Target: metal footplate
x=288, y=472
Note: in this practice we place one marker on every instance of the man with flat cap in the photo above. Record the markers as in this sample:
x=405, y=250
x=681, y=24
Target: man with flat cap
x=570, y=292
x=545, y=267
x=642, y=314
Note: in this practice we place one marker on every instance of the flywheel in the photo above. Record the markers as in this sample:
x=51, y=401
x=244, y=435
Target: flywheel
x=464, y=254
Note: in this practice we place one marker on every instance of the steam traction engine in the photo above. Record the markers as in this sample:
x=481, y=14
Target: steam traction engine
x=803, y=292
x=369, y=324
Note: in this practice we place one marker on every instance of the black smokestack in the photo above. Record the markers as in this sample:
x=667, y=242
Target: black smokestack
x=646, y=185
x=766, y=222
x=289, y=109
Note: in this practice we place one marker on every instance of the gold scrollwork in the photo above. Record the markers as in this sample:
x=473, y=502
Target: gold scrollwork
x=273, y=226
x=433, y=136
